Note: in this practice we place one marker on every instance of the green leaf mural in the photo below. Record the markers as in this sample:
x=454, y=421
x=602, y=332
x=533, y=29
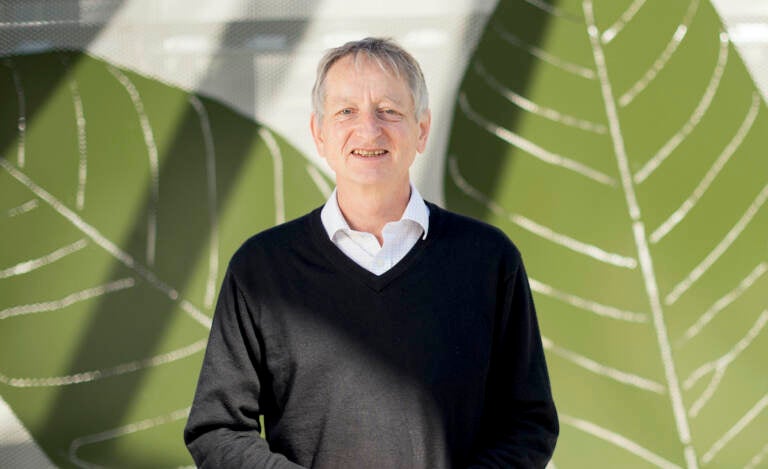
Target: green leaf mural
x=622, y=146
x=121, y=201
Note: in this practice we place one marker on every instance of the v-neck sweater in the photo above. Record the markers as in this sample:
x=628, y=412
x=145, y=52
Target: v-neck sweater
x=436, y=363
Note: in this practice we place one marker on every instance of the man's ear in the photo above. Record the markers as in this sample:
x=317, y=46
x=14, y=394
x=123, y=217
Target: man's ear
x=314, y=126
x=425, y=121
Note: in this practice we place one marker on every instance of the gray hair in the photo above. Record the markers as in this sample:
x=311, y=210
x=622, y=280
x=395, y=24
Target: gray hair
x=388, y=55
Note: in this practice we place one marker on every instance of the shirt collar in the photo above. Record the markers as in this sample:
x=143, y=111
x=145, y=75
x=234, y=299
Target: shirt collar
x=333, y=220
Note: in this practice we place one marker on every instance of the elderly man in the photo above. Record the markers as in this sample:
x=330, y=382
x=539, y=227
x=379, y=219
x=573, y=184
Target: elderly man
x=379, y=330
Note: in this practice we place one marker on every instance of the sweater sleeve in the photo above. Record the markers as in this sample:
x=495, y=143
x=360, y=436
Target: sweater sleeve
x=520, y=424
x=223, y=427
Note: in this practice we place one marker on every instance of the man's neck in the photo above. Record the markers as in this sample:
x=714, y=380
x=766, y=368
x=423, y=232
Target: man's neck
x=369, y=210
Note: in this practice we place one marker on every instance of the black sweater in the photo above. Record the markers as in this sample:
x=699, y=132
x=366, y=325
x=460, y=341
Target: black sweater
x=437, y=363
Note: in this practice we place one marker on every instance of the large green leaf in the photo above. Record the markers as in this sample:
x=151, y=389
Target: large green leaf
x=622, y=146
x=121, y=201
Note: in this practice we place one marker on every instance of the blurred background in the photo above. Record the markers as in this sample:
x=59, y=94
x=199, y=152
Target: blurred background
x=620, y=144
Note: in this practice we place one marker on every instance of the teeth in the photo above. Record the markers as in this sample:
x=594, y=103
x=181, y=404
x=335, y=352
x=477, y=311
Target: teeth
x=369, y=153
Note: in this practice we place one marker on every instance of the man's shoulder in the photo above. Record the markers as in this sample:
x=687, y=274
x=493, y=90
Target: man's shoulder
x=275, y=241
x=471, y=232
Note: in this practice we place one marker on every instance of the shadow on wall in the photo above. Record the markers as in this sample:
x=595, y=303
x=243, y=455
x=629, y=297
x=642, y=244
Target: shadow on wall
x=469, y=140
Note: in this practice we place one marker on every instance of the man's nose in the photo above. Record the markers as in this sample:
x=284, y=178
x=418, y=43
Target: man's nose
x=369, y=124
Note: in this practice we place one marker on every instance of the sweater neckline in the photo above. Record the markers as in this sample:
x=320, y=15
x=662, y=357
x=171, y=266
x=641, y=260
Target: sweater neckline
x=378, y=283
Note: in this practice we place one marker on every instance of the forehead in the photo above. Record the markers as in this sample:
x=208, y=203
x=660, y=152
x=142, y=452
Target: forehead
x=354, y=74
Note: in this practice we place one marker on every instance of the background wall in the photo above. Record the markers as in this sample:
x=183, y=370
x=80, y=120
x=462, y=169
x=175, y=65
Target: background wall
x=142, y=141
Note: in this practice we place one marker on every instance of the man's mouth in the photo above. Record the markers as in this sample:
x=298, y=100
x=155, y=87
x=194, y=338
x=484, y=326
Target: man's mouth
x=368, y=153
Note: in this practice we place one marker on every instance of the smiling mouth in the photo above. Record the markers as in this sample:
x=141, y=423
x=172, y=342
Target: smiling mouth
x=368, y=153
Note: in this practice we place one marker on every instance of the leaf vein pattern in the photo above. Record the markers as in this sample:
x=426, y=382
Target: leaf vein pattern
x=23, y=208
x=614, y=30
x=738, y=427
x=617, y=440
x=78, y=443
x=532, y=148
x=646, y=262
x=661, y=61
x=536, y=228
x=723, y=302
x=154, y=166
x=277, y=160
x=603, y=370
x=21, y=123
x=721, y=247
x=541, y=54
x=530, y=106
x=319, y=180
x=713, y=172
x=33, y=264
x=758, y=458
x=719, y=366
x=587, y=305
x=701, y=108
x=95, y=236
x=68, y=300
x=82, y=141
x=213, y=216
x=95, y=375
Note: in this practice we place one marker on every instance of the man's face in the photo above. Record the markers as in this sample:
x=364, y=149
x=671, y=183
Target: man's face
x=369, y=133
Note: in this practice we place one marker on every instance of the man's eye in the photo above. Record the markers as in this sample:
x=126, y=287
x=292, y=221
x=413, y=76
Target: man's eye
x=345, y=112
x=390, y=113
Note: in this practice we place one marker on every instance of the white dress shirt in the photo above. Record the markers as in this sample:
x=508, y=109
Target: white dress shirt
x=363, y=248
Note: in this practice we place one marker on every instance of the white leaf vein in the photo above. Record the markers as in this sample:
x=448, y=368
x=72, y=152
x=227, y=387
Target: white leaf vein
x=758, y=458
x=95, y=375
x=33, y=264
x=68, y=300
x=319, y=180
x=679, y=215
x=277, y=166
x=78, y=443
x=82, y=141
x=532, y=148
x=695, y=118
x=623, y=377
x=719, y=366
x=154, y=165
x=536, y=228
x=660, y=62
x=733, y=234
x=587, y=305
x=723, y=303
x=560, y=63
x=21, y=122
x=98, y=238
x=614, y=30
x=638, y=229
x=736, y=429
x=23, y=208
x=530, y=106
x=213, y=213
x=617, y=440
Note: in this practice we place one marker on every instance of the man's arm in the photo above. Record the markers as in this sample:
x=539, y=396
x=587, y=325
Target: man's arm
x=223, y=427
x=520, y=425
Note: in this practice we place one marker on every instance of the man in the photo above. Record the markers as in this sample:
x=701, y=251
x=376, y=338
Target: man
x=379, y=331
